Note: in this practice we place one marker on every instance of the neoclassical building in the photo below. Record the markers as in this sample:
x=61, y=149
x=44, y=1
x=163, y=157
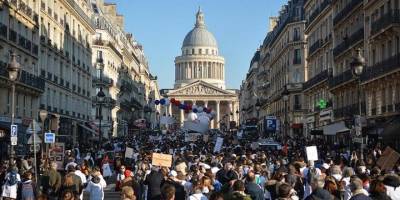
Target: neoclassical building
x=200, y=77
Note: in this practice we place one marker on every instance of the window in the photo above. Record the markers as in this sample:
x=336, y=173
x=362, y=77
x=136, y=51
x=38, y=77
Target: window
x=200, y=51
x=192, y=51
x=187, y=52
x=207, y=51
x=297, y=57
x=296, y=34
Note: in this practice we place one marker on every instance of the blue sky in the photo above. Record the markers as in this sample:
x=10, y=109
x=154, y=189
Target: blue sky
x=161, y=25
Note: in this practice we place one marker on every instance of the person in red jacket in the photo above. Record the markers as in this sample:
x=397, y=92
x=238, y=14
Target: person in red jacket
x=123, y=176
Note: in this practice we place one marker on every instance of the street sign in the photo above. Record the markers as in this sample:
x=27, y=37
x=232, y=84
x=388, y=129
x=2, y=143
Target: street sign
x=271, y=123
x=33, y=149
x=49, y=138
x=14, y=130
x=14, y=141
x=358, y=140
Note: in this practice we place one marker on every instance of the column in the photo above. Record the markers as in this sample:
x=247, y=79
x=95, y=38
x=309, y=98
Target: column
x=182, y=116
x=229, y=115
x=218, y=115
x=205, y=104
x=170, y=109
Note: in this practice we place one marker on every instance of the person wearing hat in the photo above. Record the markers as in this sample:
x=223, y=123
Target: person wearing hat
x=357, y=191
x=172, y=180
x=392, y=184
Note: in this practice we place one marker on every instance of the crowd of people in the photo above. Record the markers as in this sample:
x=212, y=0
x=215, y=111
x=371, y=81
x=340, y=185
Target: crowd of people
x=237, y=171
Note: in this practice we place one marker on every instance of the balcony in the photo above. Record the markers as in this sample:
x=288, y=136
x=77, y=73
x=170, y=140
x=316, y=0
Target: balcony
x=82, y=13
x=26, y=78
x=386, y=21
x=346, y=10
x=382, y=68
x=109, y=44
x=340, y=79
x=314, y=47
x=349, y=42
x=3, y=30
x=322, y=76
x=348, y=111
x=108, y=101
x=318, y=11
x=104, y=81
x=12, y=35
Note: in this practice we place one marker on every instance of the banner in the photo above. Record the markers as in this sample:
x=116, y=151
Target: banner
x=56, y=154
x=162, y=160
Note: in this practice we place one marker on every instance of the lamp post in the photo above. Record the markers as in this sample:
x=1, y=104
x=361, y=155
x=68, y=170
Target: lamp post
x=13, y=69
x=43, y=116
x=100, y=99
x=285, y=96
x=357, y=68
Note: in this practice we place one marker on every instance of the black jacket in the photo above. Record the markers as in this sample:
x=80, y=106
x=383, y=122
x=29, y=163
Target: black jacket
x=320, y=194
x=153, y=180
x=254, y=190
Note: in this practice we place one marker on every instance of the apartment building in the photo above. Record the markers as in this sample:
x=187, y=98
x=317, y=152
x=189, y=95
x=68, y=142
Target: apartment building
x=19, y=33
x=283, y=56
x=317, y=96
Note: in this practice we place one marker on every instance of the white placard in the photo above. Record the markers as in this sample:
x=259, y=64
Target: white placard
x=218, y=144
x=312, y=153
x=129, y=152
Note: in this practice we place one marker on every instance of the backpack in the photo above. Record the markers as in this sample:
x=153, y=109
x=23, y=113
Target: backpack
x=12, y=178
x=312, y=172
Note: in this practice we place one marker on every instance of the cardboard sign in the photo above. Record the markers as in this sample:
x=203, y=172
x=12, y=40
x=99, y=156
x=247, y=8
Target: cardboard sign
x=388, y=159
x=128, y=152
x=57, y=152
x=218, y=144
x=162, y=160
x=312, y=153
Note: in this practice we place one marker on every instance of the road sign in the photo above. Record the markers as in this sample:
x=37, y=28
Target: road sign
x=14, y=141
x=358, y=140
x=271, y=123
x=14, y=130
x=32, y=149
x=49, y=138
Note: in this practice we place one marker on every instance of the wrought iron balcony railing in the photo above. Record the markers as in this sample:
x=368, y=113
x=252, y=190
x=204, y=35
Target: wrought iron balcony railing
x=340, y=79
x=318, y=11
x=316, y=79
x=388, y=19
x=346, y=10
x=348, y=42
x=382, y=68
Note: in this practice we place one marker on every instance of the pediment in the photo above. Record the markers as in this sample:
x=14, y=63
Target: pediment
x=201, y=88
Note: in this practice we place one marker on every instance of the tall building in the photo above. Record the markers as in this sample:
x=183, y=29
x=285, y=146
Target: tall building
x=283, y=56
x=200, y=76
x=65, y=62
x=380, y=80
x=317, y=96
x=19, y=33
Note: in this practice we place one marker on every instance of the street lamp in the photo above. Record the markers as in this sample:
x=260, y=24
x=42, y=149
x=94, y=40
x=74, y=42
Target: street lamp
x=43, y=115
x=13, y=69
x=357, y=68
x=100, y=100
x=285, y=96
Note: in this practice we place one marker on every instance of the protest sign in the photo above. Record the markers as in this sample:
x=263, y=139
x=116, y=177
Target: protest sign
x=161, y=160
x=218, y=144
x=388, y=159
x=129, y=153
x=312, y=153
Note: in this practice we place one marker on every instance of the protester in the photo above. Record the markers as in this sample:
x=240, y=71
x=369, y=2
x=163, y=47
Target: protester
x=168, y=192
x=127, y=193
x=95, y=188
x=10, y=186
x=256, y=193
x=27, y=189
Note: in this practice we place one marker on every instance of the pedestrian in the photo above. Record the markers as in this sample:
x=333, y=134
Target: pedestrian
x=95, y=188
x=238, y=193
x=51, y=181
x=82, y=176
x=168, y=192
x=123, y=176
x=10, y=186
x=71, y=182
x=356, y=187
x=253, y=189
x=179, y=190
x=392, y=184
x=127, y=193
x=378, y=190
x=153, y=181
x=27, y=189
x=317, y=184
x=197, y=191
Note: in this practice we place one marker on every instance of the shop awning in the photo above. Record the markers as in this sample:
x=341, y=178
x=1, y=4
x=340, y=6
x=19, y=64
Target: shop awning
x=89, y=129
x=337, y=127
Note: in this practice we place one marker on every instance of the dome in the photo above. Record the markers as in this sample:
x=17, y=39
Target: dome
x=199, y=35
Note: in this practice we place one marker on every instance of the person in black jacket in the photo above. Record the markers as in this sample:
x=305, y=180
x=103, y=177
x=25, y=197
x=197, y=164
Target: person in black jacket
x=227, y=174
x=153, y=181
x=180, y=193
x=252, y=188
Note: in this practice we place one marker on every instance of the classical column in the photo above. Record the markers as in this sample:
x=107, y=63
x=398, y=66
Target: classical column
x=170, y=109
x=205, y=104
x=182, y=116
x=218, y=115
x=229, y=115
